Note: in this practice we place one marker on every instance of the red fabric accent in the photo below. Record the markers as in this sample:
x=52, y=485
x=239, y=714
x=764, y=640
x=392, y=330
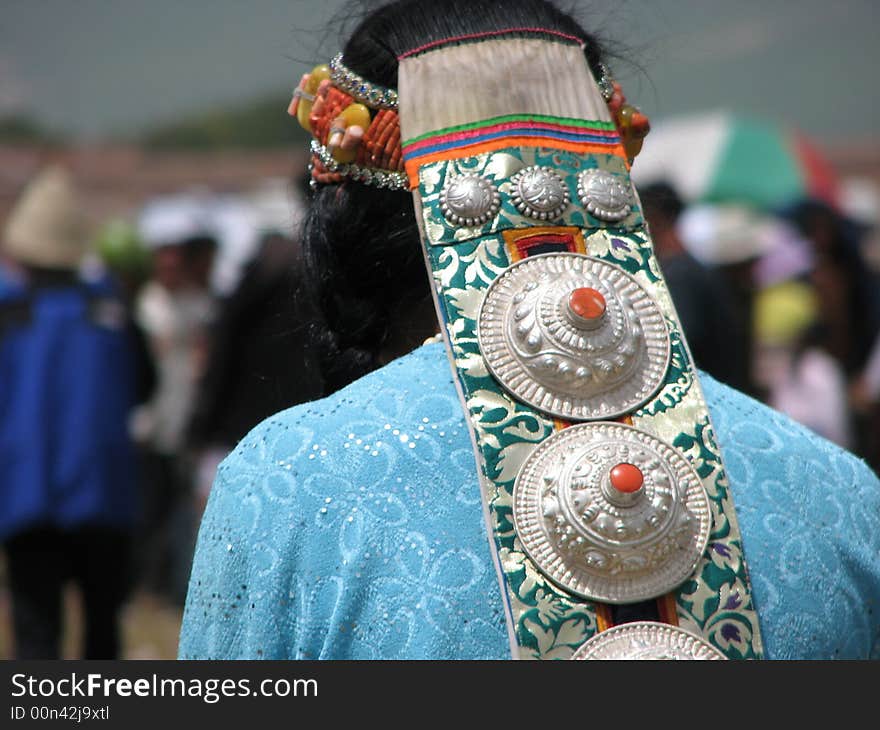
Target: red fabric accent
x=488, y=34
x=526, y=242
x=821, y=180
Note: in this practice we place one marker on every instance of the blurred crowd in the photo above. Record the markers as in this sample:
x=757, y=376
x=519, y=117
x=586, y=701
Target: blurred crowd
x=134, y=357
x=781, y=304
x=772, y=261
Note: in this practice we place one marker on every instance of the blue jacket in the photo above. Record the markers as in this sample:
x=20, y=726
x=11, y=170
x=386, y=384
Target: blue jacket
x=67, y=384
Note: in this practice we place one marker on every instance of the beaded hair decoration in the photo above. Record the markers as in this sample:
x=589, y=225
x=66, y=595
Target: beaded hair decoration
x=356, y=129
x=354, y=125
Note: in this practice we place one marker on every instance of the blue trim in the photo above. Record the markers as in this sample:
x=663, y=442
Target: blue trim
x=443, y=146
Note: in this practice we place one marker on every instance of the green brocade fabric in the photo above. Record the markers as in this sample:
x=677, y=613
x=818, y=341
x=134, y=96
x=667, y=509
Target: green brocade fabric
x=548, y=623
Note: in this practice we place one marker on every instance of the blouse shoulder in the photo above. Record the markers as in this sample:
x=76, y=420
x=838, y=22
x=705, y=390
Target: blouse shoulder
x=350, y=527
x=809, y=513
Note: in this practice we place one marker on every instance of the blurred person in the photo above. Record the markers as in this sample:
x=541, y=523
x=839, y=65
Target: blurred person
x=731, y=239
x=361, y=526
x=802, y=378
x=866, y=387
x=864, y=395
x=261, y=358
x=121, y=250
x=9, y=270
x=845, y=284
x=68, y=381
x=849, y=289
x=200, y=254
x=175, y=308
x=125, y=258
x=700, y=294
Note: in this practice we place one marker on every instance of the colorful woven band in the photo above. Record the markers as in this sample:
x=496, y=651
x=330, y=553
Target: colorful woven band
x=534, y=239
x=516, y=129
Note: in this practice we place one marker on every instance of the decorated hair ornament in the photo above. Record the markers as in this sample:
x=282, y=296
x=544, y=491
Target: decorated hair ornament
x=346, y=132
x=325, y=167
x=632, y=124
x=352, y=139
x=605, y=82
x=373, y=95
x=357, y=130
x=304, y=95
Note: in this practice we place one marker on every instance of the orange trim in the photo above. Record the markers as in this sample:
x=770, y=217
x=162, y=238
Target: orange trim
x=412, y=166
x=603, y=617
x=513, y=236
x=668, y=609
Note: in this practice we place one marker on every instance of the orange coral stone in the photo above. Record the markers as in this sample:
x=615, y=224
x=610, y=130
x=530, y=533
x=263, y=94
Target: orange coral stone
x=627, y=478
x=587, y=303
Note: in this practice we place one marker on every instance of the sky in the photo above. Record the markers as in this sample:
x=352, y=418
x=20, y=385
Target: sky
x=97, y=67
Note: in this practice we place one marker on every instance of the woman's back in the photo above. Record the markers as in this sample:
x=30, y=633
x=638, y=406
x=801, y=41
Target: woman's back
x=352, y=528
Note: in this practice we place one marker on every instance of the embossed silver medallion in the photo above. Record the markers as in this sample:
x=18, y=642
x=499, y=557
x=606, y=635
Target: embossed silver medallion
x=605, y=195
x=576, y=367
x=469, y=199
x=611, y=513
x=646, y=640
x=539, y=192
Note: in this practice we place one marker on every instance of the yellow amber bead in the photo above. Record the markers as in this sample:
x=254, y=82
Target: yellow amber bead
x=633, y=147
x=625, y=116
x=354, y=115
x=304, y=109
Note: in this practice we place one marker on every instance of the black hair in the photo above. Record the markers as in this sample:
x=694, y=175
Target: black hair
x=398, y=27
x=661, y=198
x=199, y=245
x=361, y=244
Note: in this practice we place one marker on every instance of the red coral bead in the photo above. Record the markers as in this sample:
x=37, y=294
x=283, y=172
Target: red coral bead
x=587, y=303
x=627, y=478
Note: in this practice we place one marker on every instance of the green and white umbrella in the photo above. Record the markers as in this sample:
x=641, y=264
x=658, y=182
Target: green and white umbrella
x=719, y=157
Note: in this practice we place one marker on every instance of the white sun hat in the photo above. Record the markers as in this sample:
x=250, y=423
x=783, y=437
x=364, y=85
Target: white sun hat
x=47, y=227
x=717, y=235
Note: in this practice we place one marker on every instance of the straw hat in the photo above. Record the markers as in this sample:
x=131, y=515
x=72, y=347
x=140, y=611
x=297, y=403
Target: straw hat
x=46, y=227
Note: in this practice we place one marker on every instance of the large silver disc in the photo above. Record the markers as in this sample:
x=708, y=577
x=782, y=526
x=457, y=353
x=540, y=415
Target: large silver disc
x=611, y=513
x=647, y=640
x=564, y=364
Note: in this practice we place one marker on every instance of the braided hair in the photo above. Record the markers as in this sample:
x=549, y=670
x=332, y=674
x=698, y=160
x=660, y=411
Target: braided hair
x=364, y=262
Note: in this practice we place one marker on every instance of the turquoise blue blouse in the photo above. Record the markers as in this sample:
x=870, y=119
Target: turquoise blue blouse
x=351, y=528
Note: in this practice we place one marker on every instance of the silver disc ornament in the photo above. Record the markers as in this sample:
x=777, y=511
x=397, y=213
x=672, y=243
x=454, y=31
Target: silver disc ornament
x=469, y=199
x=605, y=195
x=648, y=640
x=574, y=337
x=539, y=192
x=611, y=513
